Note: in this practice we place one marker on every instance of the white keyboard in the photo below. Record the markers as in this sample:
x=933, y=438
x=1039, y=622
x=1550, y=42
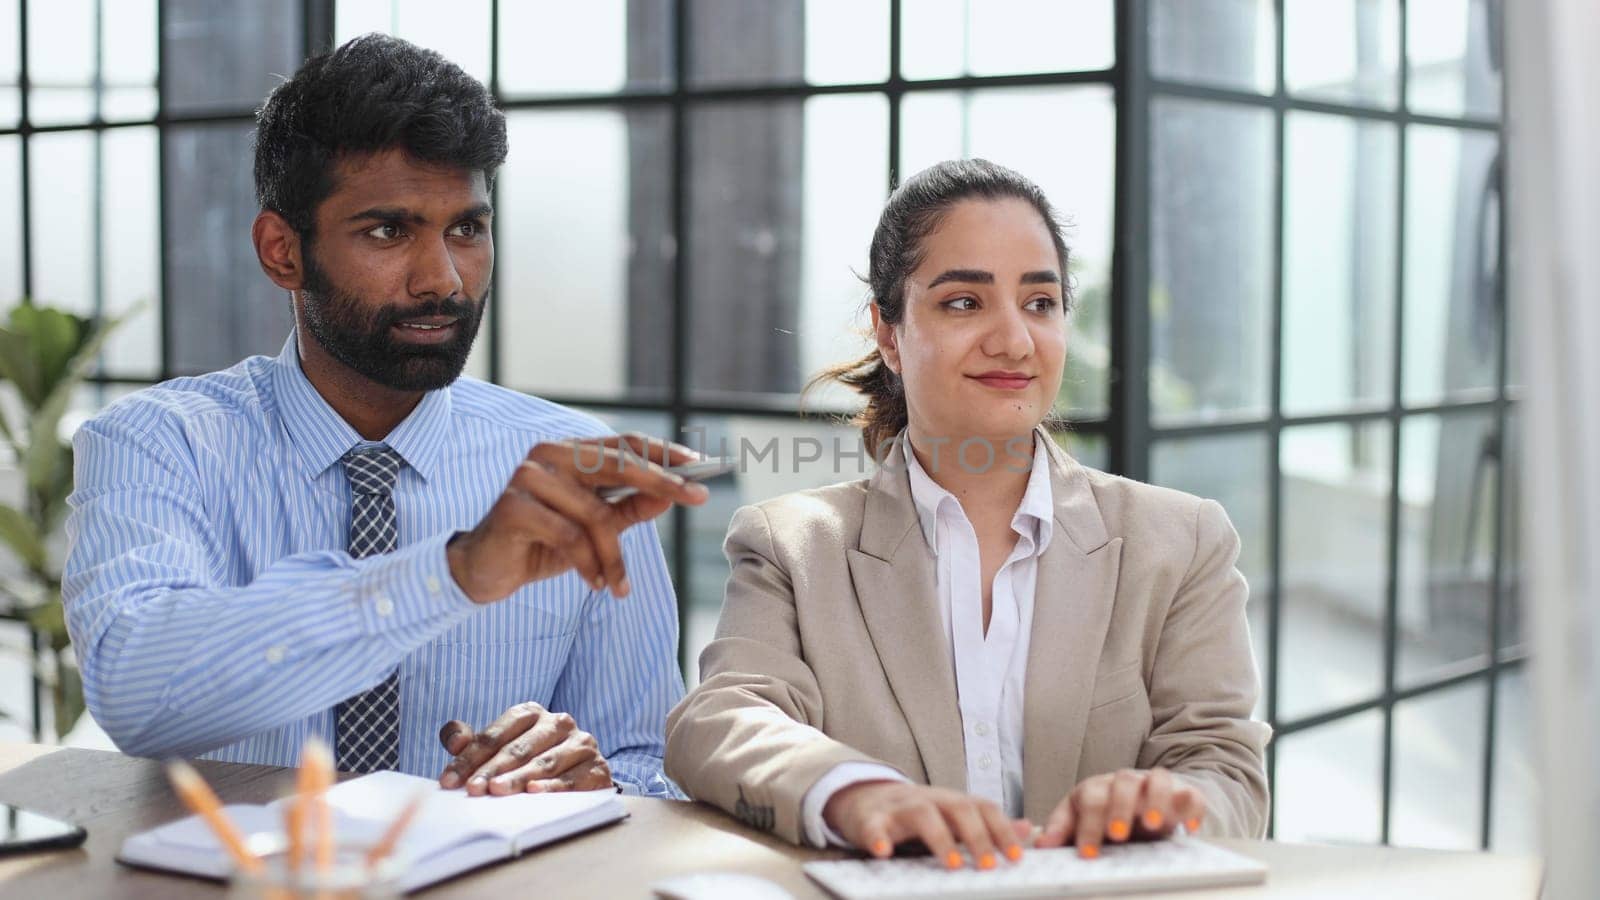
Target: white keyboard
x=1121, y=868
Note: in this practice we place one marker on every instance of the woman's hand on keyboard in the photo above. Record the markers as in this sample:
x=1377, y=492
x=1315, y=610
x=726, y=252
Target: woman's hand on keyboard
x=1129, y=804
x=876, y=815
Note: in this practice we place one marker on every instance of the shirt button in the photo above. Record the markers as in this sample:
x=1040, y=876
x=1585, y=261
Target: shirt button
x=984, y=762
x=433, y=584
x=384, y=606
x=982, y=729
x=275, y=654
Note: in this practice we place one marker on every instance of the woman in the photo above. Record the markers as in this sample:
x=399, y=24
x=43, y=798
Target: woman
x=984, y=633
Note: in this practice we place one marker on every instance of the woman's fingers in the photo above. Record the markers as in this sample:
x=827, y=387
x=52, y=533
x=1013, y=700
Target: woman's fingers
x=1122, y=803
x=1156, y=816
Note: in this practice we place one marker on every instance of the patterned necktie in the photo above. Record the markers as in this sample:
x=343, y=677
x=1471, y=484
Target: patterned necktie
x=367, y=726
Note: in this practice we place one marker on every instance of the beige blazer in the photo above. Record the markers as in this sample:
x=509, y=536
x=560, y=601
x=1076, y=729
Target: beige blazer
x=831, y=649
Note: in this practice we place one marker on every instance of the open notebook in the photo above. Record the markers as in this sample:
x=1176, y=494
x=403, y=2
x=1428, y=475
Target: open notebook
x=451, y=834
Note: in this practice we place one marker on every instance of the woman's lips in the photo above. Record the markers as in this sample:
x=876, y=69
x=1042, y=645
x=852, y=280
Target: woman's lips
x=1003, y=382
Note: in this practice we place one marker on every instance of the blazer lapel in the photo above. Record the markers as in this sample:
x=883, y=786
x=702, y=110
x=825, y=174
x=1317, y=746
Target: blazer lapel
x=893, y=573
x=1077, y=584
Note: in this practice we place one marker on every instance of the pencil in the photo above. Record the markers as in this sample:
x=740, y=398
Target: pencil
x=199, y=798
x=391, y=836
x=316, y=764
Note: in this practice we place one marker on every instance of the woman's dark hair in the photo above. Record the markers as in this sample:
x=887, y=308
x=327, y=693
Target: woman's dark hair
x=373, y=93
x=913, y=212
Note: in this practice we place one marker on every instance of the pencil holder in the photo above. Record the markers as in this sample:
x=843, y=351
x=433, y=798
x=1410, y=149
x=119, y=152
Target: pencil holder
x=347, y=876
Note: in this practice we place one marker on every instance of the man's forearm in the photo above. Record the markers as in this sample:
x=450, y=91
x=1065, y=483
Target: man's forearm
x=174, y=670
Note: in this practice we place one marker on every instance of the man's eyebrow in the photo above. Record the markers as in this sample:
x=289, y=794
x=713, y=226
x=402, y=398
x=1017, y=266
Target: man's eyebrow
x=967, y=276
x=387, y=214
x=1043, y=276
x=411, y=217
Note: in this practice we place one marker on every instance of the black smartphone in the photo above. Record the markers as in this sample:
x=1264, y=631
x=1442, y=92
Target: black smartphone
x=22, y=831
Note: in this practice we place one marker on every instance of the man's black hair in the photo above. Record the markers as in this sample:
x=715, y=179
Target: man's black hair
x=373, y=93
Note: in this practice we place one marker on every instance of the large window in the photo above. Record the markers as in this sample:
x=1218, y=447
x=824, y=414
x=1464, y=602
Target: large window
x=1286, y=222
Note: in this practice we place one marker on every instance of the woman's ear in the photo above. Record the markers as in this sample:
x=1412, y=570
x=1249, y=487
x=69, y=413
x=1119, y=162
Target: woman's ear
x=888, y=340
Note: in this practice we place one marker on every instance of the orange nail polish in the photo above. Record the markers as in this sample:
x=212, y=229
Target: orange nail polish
x=1193, y=825
x=881, y=848
x=986, y=861
x=952, y=860
x=1153, y=819
x=1118, y=830
x=1089, y=851
x=1014, y=852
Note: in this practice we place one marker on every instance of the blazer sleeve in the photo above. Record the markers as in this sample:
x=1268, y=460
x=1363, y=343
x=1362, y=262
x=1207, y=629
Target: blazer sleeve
x=1204, y=686
x=749, y=738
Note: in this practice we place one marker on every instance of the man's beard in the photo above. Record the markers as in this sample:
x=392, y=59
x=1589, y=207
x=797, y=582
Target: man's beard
x=362, y=339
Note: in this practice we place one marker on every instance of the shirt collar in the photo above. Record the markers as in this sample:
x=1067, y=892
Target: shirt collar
x=321, y=436
x=1035, y=514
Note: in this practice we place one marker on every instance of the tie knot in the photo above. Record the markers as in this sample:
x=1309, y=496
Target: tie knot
x=372, y=470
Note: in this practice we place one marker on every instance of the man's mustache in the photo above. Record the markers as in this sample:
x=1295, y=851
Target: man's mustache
x=457, y=309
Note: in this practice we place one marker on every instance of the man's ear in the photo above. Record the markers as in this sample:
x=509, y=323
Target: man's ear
x=888, y=340
x=279, y=250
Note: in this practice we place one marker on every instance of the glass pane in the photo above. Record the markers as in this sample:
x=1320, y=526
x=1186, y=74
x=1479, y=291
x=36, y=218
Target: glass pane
x=954, y=38
x=1338, y=263
x=10, y=221
x=1514, y=806
x=815, y=41
x=1512, y=632
x=783, y=198
x=605, y=46
x=61, y=61
x=1447, y=472
x=1452, y=310
x=1224, y=43
x=10, y=63
x=1438, y=769
x=776, y=456
x=1334, y=555
x=16, y=665
x=62, y=167
x=228, y=54
x=1345, y=51
x=130, y=259
x=585, y=254
x=1233, y=470
x=1069, y=151
x=220, y=307
x=459, y=31
x=128, y=59
x=1211, y=258
x=1329, y=785
x=1453, y=50
x=1087, y=448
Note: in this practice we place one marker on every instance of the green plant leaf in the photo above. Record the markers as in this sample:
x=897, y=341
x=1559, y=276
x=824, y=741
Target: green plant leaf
x=68, y=696
x=21, y=534
x=49, y=619
x=18, y=366
x=43, y=459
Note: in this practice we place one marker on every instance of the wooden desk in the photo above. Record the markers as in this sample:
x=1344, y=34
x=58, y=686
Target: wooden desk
x=114, y=795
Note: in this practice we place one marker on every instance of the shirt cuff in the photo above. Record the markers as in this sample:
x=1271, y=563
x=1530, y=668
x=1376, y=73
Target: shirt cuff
x=640, y=775
x=839, y=777
x=411, y=590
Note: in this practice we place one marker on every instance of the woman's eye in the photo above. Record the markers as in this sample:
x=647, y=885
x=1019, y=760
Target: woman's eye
x=1043, y=304
x=962, y=303
x=385, y=232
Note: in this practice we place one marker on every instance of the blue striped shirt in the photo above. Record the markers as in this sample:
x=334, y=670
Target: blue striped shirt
x=215, y=612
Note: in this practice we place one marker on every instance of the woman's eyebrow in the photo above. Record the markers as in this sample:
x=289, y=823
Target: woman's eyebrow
x=1043, y=276
x=967, y=276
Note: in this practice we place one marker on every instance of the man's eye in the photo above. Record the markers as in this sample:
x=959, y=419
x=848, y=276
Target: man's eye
x=385, y=232
x=466, y=229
